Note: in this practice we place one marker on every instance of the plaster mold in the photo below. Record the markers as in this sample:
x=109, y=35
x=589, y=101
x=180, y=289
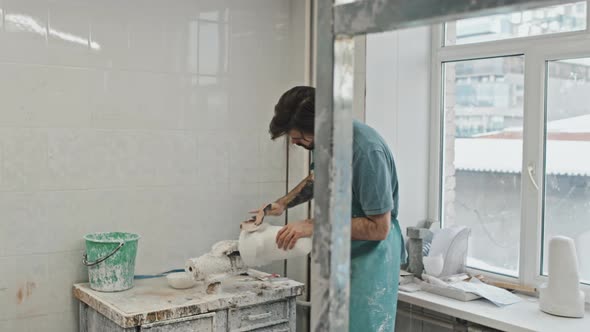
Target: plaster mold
x=259, y=248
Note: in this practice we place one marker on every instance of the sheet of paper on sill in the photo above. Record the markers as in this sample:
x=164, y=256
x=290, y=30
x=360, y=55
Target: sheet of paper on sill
x=404, y=273
x=496, y=295
x=410, y=287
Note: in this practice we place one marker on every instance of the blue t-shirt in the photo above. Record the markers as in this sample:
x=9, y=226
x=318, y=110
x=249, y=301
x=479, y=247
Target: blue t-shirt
x=374, y=179
x=375, y=188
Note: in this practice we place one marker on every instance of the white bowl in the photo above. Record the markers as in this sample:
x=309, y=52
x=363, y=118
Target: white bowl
x=180, y=280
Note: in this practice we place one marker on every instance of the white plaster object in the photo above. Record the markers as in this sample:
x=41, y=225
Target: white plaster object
x=221, y=262
x=260, y=248
x=562, y=296
x=433, y=265
x=180, y=280
x=451, y=244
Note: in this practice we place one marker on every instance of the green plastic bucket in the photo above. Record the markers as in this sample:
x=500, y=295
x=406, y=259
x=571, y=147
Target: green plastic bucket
x=110, y=258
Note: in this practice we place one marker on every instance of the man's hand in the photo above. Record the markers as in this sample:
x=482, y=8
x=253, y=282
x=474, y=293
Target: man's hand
x=287, y=237
x=275, y=209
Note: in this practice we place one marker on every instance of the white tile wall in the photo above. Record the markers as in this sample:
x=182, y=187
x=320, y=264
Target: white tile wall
x=24, y=38
x=148, y=116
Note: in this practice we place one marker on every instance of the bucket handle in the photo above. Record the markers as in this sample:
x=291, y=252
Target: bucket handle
x=100, y=260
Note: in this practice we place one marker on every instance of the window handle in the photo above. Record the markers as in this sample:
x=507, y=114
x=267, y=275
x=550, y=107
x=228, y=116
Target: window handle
x=531, y=170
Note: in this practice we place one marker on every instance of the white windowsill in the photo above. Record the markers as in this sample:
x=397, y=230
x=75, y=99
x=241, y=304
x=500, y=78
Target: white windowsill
x=524, y=316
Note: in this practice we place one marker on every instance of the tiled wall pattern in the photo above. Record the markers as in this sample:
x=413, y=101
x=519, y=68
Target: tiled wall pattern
x=147, y=116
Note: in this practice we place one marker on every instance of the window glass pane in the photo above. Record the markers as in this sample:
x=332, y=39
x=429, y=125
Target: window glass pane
x=567, y=164
x=554, y=19
x=483, y=105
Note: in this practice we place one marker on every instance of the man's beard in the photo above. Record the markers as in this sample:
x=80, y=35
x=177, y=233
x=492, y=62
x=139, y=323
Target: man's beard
x=309, y=148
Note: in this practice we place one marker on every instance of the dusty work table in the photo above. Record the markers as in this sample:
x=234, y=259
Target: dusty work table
x=243, y=303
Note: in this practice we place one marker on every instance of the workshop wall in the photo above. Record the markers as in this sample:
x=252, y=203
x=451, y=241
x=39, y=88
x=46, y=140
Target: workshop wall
x=140, y=116
x=398, y=106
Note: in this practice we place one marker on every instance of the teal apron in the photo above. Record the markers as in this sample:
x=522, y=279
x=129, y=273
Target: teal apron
x=374, y=267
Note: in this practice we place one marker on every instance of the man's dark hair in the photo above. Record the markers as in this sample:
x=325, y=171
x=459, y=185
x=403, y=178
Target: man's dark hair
x=295, y=110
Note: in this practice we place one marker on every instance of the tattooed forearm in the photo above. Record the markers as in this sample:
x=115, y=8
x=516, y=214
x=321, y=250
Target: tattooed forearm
x=303, y=196
x=302, y=193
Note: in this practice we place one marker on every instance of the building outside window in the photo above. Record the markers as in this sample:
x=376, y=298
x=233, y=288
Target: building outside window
x=514, y=115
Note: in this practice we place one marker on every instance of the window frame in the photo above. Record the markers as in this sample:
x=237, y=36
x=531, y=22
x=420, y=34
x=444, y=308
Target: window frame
x=537, y=52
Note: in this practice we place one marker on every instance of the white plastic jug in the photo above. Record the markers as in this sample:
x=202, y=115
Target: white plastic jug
x=260, y=248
